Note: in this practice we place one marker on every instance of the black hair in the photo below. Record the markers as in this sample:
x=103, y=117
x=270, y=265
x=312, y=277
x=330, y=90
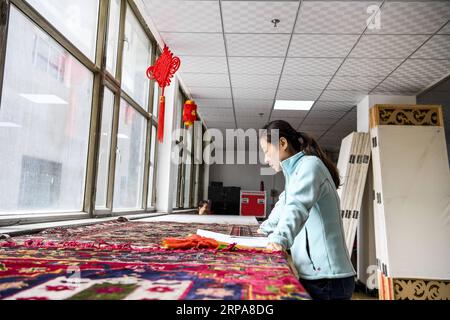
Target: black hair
x=300, y=141
x=202, y=203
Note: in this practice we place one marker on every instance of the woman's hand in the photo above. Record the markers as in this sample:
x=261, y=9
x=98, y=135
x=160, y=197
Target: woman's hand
x=275, y=246
x=259, y=231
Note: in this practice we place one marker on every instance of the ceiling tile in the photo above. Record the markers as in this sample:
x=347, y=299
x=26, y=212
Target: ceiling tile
x=350, y=96
x=295, y=94
x=192, y=64
x=256, y=16
x=445, y=29
x=289, y=114
x=257, y=45
x=334, y=16
x=368, y=67
x=220, y=124
x=417, y=69
x=313, y=45
x=390, y=90
x=304, y=82
x=312, y=66
x=294, y=122
x=217, y=111
x=387, y=46
x=185, y=16
x=254, y=81
x=438, y=47
x=412, y=17
x=197, y=44
x=363, y=84
x=335, y=114
x=206, y=80
x=216, y=114
x=319, y=121
x=253, y=124
x=252, y=65
x=414, y=76
x=313, y=127
x=254, y=93
x=405, y=85
x=219, y=118
x=214, y=103
x=253, y=104
x=315, y=134
x=210, y=93
x=332, y=105
x=254, y=112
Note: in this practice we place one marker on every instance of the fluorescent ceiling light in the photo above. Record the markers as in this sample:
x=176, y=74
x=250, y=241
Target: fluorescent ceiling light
x=43, y=98
x=9, y=125
x=293, y=105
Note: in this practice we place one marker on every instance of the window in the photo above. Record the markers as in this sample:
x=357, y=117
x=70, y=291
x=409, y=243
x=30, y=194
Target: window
x=76, y=20
x=151, y=177
x=156, y=94
x=44, y=123
x=178, y=197
x=189, y=168
x=113, y=36
x=136, y=59
x=105, y=147
x=50, y=91
x=129, y=178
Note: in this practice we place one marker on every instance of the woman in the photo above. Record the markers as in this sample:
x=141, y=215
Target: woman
x=306, y=219
x=203, y=208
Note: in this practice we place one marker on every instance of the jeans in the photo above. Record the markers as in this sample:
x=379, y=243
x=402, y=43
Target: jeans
x=330, y=289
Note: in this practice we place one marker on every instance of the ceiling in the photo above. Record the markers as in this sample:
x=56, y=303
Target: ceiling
x=235, y=63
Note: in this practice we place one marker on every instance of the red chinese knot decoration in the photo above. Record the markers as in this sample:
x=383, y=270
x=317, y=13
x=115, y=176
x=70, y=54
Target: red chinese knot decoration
x=164, y=69
x=189, y=113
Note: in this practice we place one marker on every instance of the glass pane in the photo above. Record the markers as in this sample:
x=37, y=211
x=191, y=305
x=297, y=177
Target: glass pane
x=177, y=203
x=156, y=92
x=76, y=20
x=150, y=202
x=129, y=178
x=189, y=166
x=44, y=123
x=136, y=59
x=105, y=149
x=113, y=36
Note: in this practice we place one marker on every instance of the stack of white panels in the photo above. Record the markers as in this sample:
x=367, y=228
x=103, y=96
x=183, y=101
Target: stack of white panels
x=411, y=202
x=353, y=164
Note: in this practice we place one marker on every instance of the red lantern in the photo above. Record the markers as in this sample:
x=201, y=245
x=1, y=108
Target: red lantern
x=163, y=70
x=189, y=113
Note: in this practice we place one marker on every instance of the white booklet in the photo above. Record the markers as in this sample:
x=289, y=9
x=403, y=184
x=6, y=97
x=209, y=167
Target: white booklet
x=255, y=242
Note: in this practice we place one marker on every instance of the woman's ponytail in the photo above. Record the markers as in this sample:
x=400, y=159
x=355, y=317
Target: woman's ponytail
x=300, y=141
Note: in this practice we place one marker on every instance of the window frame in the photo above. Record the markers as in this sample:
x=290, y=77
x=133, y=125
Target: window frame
x=102, y=79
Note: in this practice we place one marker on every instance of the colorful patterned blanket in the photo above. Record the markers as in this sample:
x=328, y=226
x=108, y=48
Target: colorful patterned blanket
x=77, y=263
x=28, y=272
x=136, y=233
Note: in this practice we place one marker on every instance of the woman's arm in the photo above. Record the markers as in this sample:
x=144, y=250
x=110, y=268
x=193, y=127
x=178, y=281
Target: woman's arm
x=269, y=225
x=303, y=192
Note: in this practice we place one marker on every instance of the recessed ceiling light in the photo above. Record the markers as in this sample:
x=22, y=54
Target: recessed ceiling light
x=293, y=105
x=43, y=98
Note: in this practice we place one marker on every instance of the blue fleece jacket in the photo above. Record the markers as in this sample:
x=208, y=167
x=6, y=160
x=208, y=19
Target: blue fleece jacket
x=306, y=219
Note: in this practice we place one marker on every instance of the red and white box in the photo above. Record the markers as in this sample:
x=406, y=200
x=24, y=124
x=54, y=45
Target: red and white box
x=253, y=203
